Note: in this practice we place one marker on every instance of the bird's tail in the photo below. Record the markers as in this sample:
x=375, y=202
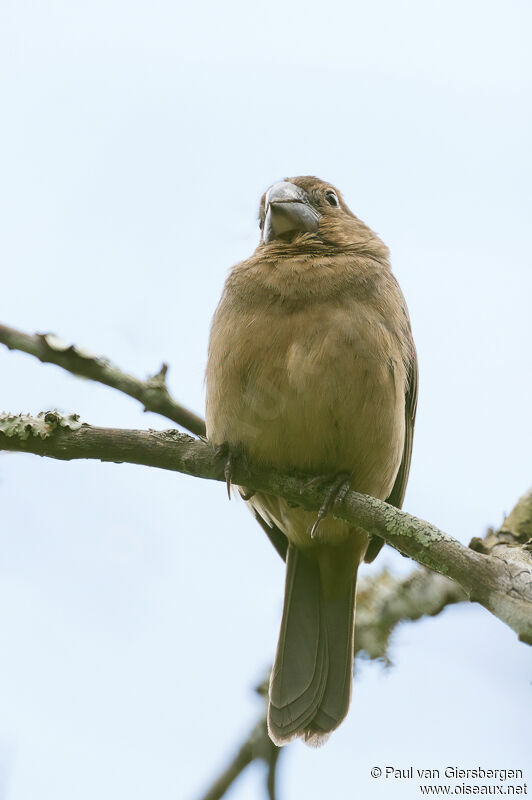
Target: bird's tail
x=310, y=686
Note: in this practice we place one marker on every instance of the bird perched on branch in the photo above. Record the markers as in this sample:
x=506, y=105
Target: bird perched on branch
x=312, y=368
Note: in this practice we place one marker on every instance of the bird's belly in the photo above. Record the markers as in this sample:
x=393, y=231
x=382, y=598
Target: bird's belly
x=352, y=423
x=329, y=421
x=321, y=399
x=318, y=405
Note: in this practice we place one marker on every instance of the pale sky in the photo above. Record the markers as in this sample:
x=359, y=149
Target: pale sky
x=138, y=608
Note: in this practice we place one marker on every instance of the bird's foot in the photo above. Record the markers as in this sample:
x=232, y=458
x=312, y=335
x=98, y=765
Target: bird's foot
x=233, y=456
x=336, y=491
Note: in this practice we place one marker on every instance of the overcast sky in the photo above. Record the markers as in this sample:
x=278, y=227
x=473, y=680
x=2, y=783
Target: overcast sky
x=139, y=608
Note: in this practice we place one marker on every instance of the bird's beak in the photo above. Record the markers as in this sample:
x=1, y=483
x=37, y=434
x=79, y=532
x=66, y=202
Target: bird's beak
x=288, y=210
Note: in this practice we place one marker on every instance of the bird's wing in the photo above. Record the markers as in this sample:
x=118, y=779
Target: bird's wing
x=397, y=494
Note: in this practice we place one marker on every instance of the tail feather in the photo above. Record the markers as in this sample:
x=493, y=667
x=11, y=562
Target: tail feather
x=300, y=669
x=340, y=619
x=310, y=686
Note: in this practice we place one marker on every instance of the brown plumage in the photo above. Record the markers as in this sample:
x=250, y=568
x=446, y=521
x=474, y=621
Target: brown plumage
x=312, y=367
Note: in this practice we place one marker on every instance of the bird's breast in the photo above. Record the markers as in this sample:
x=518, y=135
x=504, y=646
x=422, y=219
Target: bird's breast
x=320, y=390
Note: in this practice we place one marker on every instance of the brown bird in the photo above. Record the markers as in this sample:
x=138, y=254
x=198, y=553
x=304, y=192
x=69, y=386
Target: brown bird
x=312, y=368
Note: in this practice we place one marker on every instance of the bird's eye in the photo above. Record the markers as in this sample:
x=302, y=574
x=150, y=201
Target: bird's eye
x=331, y=198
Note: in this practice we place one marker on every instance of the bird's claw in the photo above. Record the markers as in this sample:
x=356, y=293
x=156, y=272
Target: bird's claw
x=228, y=472
x=335, y=493
x=225, y=451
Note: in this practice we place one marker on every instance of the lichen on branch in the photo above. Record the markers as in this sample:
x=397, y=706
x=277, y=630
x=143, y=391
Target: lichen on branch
x=22, y=426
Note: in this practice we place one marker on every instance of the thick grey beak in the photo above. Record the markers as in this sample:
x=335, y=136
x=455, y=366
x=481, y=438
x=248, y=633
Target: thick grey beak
x=288, y=210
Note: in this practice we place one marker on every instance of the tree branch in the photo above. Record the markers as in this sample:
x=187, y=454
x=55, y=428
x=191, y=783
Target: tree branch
x=501, y=581
x=152, y=393
x=384, y=601
x=241, y=760
x=257, y=745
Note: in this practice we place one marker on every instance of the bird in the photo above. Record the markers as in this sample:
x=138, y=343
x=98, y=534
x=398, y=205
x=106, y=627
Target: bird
x=312, y=369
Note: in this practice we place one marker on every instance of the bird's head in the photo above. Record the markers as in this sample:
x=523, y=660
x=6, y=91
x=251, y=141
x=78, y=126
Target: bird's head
x=308, y=213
